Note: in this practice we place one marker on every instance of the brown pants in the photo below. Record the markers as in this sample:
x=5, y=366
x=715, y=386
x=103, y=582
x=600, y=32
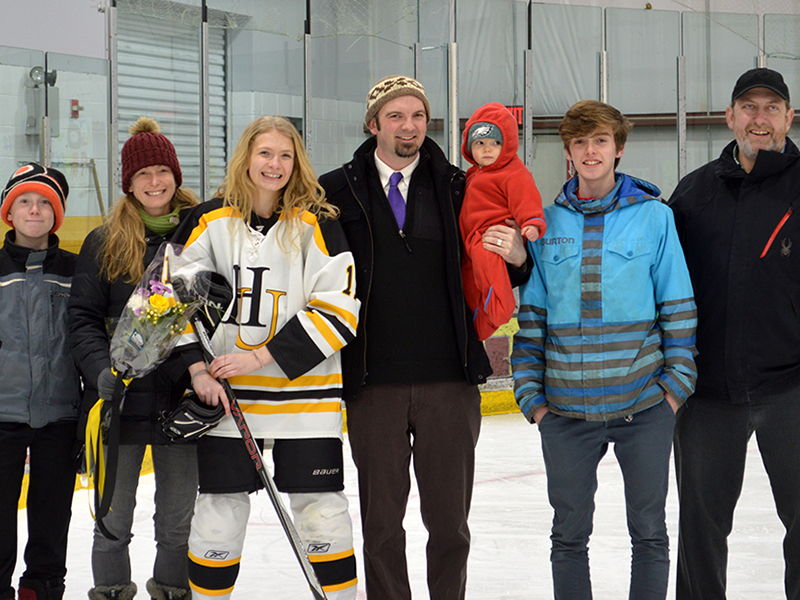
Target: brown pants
x=437, y=423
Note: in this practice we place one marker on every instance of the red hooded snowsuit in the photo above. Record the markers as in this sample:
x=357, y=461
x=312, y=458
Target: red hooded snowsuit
x=503, y=190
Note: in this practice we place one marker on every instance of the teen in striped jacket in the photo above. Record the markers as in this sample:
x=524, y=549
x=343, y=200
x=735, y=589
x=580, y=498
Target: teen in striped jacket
x=605, y=351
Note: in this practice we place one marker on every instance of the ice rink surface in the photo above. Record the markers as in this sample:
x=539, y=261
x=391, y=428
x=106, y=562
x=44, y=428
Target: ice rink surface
x=510, y=523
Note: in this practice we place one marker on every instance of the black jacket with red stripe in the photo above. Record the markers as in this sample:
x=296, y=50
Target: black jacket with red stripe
x=741, y=236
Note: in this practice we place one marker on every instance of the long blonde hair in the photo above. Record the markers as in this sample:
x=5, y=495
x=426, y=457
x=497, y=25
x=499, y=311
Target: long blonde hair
x=302, y=192
x=124, y=246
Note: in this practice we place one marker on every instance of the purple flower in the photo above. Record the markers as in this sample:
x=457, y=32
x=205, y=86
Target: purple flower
x=159, y=288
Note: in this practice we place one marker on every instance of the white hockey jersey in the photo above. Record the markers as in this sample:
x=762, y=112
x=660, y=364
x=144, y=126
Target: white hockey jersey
x=301, y=305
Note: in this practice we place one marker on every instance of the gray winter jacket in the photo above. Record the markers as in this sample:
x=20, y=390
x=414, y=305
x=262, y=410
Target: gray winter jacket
x=38, y=380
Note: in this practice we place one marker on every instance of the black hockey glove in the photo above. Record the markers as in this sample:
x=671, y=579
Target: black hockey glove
x=191, y=420
x=216, y=301
x=220, y=295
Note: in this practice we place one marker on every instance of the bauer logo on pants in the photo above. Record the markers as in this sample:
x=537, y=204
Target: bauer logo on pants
x=325, y=472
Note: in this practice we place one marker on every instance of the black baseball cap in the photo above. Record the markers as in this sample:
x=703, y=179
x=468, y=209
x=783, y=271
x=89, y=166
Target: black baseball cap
x=761, y=78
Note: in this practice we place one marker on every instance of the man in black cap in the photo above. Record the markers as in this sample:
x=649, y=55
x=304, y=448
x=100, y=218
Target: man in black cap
x=737, y=223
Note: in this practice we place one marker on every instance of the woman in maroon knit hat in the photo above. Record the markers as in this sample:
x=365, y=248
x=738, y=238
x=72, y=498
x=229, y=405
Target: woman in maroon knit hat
x=112, y=261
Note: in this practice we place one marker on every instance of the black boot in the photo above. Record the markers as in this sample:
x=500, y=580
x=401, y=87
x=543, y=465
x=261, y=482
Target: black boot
x=159, y=591
x=32, y=589
x=116, y=592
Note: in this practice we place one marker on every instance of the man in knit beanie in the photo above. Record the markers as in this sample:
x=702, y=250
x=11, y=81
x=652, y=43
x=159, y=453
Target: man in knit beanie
x=393, y=87
x=40, y=393
x=411, y=374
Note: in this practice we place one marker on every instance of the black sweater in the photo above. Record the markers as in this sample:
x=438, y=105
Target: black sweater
x=429, y=323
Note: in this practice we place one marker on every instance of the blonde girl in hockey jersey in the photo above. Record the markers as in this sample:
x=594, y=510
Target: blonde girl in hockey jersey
x=276, y=239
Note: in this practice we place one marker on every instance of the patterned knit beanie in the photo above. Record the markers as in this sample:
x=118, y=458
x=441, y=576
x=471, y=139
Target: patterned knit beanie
x=393, y=87
x=46, y=181
x=482, y=131
x=147, y=147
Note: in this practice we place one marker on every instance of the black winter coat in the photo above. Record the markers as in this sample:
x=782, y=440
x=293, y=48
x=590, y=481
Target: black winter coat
x=94, y=305
x=347, y=188
x=741, y=236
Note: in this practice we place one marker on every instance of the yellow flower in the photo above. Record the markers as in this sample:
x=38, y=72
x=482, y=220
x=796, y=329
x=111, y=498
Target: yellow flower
x=160, y=304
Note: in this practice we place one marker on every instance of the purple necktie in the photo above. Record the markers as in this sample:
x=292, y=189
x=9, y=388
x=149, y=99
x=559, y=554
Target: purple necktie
x=396, y=199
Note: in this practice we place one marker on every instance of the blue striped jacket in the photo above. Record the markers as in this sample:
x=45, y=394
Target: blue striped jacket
x=607, y=319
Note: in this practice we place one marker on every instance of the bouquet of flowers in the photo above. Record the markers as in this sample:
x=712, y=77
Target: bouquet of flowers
x=154, y=317
x=157, y=313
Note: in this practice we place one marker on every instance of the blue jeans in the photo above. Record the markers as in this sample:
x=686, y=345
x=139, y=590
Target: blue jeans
x=175, y=470
x=572, y=450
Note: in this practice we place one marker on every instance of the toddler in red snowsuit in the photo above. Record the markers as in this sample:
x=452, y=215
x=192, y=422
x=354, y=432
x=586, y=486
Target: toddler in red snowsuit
x=499, y=187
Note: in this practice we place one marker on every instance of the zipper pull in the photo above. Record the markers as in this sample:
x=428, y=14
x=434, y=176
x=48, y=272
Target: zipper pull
x=405, y=241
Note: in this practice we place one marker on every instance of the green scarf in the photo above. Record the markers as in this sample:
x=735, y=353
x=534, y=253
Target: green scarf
x=161, y=225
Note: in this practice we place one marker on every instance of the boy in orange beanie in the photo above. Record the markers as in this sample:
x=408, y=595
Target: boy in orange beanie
x=40, y=394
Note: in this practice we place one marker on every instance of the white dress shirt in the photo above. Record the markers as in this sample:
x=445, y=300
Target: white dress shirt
x=385, y=171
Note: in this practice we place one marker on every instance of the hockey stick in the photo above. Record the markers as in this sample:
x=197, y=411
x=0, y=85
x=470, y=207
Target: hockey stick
x=263, y=473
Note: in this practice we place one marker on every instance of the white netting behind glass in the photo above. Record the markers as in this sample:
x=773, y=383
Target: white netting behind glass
x=742, y=6
x=781, y=18
x=260, y=15
x=286, y=17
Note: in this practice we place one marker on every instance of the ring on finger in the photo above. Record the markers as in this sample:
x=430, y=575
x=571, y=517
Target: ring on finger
x=499, y=241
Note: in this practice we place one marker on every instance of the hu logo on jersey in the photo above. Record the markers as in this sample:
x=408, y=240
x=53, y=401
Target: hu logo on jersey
x=249, y=303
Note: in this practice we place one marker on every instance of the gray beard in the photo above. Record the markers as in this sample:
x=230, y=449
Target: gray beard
x=751, y=153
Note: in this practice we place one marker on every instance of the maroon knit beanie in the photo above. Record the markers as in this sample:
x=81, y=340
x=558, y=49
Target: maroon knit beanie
x=147, y=147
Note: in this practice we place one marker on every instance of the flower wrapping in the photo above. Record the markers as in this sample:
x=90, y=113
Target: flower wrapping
x=157, y=312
